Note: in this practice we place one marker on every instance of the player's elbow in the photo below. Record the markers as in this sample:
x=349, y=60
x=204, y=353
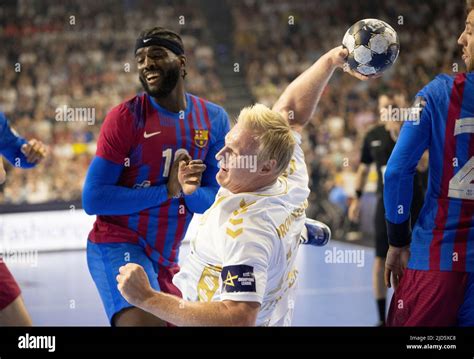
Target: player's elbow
x=90, y=200
x=246, y=320
x=242, y=314
x=393, y=174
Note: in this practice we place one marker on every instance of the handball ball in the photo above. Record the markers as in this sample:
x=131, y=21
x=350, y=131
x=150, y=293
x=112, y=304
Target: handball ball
x=373, y=46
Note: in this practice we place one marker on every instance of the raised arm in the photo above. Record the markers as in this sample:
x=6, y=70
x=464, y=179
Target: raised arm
x=300, y=99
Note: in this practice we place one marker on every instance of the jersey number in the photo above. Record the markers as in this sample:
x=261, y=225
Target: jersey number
x=168, y=155
x=461, y=185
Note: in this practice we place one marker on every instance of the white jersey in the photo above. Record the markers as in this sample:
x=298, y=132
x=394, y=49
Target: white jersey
x=246, y=244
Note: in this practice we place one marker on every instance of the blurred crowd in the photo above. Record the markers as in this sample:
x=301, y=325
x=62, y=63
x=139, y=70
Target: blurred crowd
x=80, y=55
x=278, y=39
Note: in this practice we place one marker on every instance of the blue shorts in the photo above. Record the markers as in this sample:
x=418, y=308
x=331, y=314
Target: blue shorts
x=104, y=261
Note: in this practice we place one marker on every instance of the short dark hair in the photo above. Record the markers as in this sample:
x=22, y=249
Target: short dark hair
x=470, y=5
x=161, y=32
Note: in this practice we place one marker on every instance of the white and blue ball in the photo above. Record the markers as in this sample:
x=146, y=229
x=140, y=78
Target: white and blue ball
x=373, y=46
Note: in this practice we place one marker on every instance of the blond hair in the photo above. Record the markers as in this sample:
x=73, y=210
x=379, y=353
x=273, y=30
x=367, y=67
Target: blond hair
x=273, y=133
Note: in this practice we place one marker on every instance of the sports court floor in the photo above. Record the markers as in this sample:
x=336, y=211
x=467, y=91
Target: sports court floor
x=60, y=291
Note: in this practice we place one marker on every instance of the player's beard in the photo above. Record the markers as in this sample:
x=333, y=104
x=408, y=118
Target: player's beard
x=169, y=80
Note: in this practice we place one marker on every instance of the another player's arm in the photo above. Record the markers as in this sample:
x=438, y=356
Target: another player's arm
x=412, y=142
x=101, y=195
x=134, y=285
x=18, y=151
x=203, y=197
x=361, y=179
x=249, y=252
x=3, y=174
x=300, y=99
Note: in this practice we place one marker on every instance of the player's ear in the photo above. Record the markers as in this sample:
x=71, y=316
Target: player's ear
x=183, y=60
x=268, y=167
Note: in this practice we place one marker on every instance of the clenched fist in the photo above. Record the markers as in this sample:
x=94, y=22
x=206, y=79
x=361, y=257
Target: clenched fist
x=134, y=285
x=35, y=151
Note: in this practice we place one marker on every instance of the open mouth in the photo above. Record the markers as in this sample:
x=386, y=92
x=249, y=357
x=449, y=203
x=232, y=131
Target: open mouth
x=152, y=77
x=465, y=56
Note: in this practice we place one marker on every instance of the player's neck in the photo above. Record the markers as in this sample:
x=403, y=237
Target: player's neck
x=257, y=185
x=175, y=101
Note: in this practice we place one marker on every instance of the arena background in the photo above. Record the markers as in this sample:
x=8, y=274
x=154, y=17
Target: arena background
x=80, y=55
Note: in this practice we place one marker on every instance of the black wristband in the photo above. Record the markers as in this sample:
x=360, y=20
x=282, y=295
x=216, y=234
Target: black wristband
x=399, y=234
x=358, y=193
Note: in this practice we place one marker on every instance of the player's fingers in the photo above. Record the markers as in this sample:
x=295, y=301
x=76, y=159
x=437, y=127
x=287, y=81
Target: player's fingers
x=189, y=176
x=192, y=183
x=387, y=274
x=34, y=156
x=183, y=157
x=36, y=146
x=395, y=280
x=195, y=162
x=376, y=76
x=360, y=76
x=192, y=179
x=182, y=165
x=40, y=151
x=31, y=158
x=344, y=52
x=196, y=168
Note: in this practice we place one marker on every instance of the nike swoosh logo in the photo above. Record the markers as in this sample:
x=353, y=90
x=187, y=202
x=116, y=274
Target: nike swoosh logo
x=146, y=40
x=148, y=135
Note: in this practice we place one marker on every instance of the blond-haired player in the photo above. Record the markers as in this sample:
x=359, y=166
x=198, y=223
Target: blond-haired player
x=241, y=267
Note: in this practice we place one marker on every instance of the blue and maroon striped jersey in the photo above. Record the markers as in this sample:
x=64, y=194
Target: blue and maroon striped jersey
x=144, y=138
x=443, y=236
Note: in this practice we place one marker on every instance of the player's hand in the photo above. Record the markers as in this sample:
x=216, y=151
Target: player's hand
x=35, y=151
x=190, y=175
x=339, y=56
x=3, y=174
x=354, y=210
x=173, y=185
x=395, y=263
x=134, y=285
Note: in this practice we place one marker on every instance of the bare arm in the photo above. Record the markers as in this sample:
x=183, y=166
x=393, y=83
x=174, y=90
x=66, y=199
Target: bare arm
x=3, y=174
x=300, y=99
x=133, y=284
x=361, y=176
x=184, y=313
x=361, y=180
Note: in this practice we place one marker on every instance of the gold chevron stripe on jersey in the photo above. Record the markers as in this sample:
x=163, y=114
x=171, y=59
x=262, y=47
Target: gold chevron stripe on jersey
x=234, y=234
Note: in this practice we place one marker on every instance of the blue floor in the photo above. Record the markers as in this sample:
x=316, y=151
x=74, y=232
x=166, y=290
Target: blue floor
x=60, y=291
